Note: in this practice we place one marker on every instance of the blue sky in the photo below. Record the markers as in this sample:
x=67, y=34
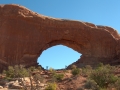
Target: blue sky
x=99, y=12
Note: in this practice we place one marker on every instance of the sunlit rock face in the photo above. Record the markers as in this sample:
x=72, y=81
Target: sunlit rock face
x=24, y=35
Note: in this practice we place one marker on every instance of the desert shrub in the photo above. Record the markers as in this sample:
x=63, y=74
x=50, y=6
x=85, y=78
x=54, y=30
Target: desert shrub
x=100, y=64
x=73, y=66
x=37, y=77
x=91, y=84
x=102, y=89
x=103, y=76
x=88, y=67
x=20, y=71
x=39, y=68
x=15, y=72
x=58, y=77
x=32, y=68
x=117, y=84
x=54, y=75
x=52, y=71
x=75, y=71
x=86, y=71
x=10, y=72
x=51, y=86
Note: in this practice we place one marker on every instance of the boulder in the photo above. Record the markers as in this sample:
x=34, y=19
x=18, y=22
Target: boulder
x=1, y=87
x=14, y=85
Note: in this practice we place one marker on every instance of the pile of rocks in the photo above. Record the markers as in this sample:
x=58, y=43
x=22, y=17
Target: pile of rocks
x=19, y=84
x=10, y=84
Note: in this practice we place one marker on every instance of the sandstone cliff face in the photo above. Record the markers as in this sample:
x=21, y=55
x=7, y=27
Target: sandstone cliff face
x=24, y=35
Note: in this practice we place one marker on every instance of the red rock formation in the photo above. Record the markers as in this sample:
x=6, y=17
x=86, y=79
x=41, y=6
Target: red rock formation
x=24, y=35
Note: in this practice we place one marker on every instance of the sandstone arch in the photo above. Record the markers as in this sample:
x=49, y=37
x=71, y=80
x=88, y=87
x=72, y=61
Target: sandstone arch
x=25, y=34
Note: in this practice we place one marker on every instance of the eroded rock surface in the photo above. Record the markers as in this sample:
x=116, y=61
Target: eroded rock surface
x=24, y=35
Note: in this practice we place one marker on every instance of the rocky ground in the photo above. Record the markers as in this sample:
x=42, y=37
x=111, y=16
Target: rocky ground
x=68, y=82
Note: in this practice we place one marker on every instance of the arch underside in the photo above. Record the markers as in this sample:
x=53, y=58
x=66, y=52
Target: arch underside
x=72, y=44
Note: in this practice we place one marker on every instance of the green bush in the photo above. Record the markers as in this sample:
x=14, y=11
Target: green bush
x=32, y=68
x=117, y=84
x=88, y=67
x=86, y=71
x=15, y=72
x=100, y=64
x=59, y=77
x=20, y=71
x=10, y=72
x=103, y=76
x=75, y=71
x=37, y=77
x=51, y=86
x=51, y=69
x=39, y=68
x=73, y=66
x=102, y=89
x=55, y=76
x=91, y=84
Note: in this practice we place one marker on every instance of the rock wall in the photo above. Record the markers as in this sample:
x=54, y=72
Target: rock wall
x=24, y=35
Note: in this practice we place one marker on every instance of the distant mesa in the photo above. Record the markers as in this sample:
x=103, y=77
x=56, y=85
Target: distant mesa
x=24, y=35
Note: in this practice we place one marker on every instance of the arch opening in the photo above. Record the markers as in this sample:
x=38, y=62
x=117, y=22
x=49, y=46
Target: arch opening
x=58, y=57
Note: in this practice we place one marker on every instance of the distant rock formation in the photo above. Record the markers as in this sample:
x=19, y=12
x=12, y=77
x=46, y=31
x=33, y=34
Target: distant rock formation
x=24, y=35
